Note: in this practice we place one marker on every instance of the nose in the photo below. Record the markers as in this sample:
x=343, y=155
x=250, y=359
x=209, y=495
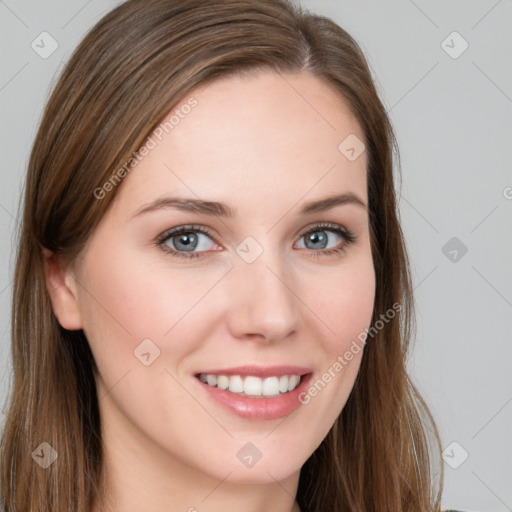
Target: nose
x=263, y=304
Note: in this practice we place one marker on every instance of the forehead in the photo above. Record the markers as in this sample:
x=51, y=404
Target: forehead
x=251, y=139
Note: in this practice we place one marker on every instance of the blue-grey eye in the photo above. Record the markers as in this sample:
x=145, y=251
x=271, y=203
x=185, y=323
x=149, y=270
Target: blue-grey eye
x=319, y=239
x=189, y=241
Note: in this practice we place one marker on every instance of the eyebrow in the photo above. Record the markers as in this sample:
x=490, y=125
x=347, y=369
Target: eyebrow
x=220, y=209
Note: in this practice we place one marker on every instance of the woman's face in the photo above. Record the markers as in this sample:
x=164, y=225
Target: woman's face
x=265, y=286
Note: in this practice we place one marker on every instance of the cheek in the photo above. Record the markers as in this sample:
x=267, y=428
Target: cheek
x=129, y=299
x=346, y=306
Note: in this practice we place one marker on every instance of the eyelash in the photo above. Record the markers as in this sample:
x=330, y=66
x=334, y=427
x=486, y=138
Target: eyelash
x=347, y=235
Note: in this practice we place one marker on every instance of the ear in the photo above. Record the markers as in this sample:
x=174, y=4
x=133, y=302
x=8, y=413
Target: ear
x=61, y=286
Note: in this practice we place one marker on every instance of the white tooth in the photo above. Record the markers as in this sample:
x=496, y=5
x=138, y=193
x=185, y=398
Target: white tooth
x=236, y=384
x=283, y=384
x=253, y=386
x=271, y=386
x=293, y=381
x=222, y=381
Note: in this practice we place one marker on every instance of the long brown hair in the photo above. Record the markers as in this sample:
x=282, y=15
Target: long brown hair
x=138, y=62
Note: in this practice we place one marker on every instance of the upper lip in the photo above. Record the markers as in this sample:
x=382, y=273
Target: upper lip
x=259, y=371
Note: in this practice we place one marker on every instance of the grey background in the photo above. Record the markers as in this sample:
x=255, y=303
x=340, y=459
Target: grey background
x=452, y=117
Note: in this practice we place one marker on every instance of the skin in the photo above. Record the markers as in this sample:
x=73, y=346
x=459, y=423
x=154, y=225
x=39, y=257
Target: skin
x=264, y=144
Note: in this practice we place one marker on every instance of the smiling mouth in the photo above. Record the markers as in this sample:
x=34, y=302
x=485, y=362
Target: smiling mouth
x=251, y=385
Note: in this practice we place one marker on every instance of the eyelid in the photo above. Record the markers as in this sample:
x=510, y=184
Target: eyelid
x=184, y=228
x=328, y=226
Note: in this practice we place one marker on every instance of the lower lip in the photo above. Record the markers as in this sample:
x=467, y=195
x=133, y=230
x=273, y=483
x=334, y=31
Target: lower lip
x=259, y=408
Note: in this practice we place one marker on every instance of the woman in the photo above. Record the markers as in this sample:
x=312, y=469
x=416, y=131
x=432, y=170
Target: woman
x=212, y=299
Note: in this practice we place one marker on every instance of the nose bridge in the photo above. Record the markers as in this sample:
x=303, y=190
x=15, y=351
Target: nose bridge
x=264, y=302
